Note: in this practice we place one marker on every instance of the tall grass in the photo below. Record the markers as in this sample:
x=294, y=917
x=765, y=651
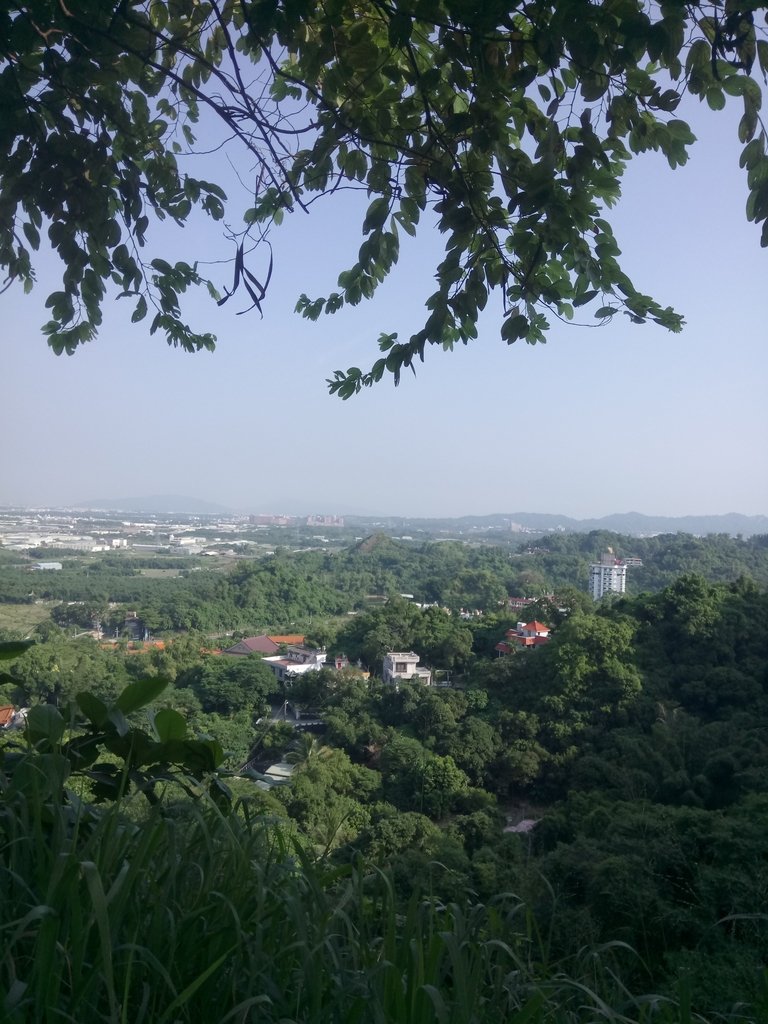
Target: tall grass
x=196, y=915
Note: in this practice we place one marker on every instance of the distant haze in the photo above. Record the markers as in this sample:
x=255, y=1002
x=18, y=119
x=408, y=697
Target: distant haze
x=164, y=503
x=631, y=523
x=619, y=417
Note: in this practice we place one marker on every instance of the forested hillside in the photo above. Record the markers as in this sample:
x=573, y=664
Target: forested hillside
x=633, y=746
x=298, y=588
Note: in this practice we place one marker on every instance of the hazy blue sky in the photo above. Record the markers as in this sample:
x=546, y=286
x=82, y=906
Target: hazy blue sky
x=596, y=421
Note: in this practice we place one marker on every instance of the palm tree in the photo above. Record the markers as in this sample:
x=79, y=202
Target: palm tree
x=307, y=750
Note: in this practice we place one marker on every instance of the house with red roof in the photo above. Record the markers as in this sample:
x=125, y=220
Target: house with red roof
x=263, y=644
x=525, y=636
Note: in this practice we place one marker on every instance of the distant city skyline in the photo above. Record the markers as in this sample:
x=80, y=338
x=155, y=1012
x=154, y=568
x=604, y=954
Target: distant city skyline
x=597, y=421
x=294, y=509
x=164, y=508
x=194, y=505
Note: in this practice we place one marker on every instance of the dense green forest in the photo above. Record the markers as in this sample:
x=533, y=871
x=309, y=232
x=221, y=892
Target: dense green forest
x=298, y=588
x=637, y=740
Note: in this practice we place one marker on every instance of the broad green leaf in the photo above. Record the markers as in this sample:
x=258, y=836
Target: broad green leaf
x=376, y=215
x=748, y=123
x=44, y=722
x=752, y=154
x=116, y=717
x=141, y=310
x=32, y=235
x=514, y=327
x=93, y=709
x=195, y=756
x=134, y=746
x=734, y=85
x=220, y=793
x=169, y=725
x=106, y=779
x=11, y=649
x=138, y=695
x=715, y=97
x=399, y=29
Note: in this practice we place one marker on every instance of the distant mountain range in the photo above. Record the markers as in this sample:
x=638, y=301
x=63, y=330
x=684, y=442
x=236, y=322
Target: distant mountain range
x=732, y=523
x=637, y=524
x=630, y=523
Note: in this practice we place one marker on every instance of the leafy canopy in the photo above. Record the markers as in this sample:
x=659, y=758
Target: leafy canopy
x=508, y=126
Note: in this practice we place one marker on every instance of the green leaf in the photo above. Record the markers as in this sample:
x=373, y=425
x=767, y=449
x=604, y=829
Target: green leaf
x=709, y=27
x=14, y=648
x=169, y=725
x=139, y=694
x=196, y=756
x=100, y=911
x=399, y=29
x=186, y=994
x=752, y=154
x=220, y=793
x=83, y=750
x=141, y=310
x=531, y=1011
x=93, y=709
x=44, y=722
x=715, y=97
x=734, y=85
x=106, y=780
x=514, y=327
x=582, y=300
x=376, y=215
x=356, y=165
x=32, y=235
x=116, y=717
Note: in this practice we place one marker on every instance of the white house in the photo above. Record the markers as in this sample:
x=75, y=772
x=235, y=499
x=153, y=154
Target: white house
x=404, y=665
x=295, y=662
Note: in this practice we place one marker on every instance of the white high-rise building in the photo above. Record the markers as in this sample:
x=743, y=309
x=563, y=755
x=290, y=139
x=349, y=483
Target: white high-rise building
x=608, y=576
